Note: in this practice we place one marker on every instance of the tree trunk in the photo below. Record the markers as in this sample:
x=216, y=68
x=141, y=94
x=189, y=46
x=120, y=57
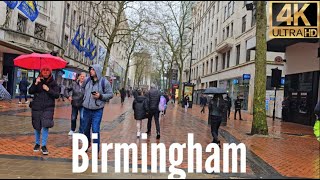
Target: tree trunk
x=259, y=123
x=106, y=61
x=126, y=73
x=180, y=85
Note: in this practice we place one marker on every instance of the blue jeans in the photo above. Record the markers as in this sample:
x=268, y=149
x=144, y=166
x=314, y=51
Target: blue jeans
x=74, y=116
x=45, y=132
x=92, y=118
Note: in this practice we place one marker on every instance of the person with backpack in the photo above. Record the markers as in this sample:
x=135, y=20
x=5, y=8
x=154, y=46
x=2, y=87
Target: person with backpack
x=166, y=105
x=23, y=87
x=97, y=92
x=75, y=94
x=140, y=108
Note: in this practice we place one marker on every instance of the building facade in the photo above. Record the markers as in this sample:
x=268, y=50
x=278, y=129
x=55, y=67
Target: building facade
x=53, y=30
x=221, y=33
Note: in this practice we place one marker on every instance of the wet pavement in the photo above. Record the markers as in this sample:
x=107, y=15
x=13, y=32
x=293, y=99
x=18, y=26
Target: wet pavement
x=290, y=150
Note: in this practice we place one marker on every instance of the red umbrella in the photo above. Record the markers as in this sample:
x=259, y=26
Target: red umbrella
x=36, y=61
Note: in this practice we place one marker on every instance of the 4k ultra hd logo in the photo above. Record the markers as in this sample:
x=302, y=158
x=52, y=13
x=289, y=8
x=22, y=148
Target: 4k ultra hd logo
x=294, y=19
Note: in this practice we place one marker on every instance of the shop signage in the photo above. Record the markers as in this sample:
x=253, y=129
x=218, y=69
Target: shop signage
x=235, y=81
x=246, y=76
x=69, y=74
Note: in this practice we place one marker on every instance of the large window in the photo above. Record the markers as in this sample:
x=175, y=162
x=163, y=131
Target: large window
x=207, y=67
x=211, y=65
x=243, y=23
x=231, y=30
x=21, y=23
x=227, y=35
x=253, y=17
x=217, y=24
x=228, y=59
x=67, y=13
x=238, y=54
x=40, y=31
x=217, y=59
x=224, y=60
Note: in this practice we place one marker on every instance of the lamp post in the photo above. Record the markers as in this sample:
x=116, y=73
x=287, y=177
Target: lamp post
x=191, y=52
x=188, y=87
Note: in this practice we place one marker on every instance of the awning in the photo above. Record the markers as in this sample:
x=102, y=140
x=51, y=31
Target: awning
x=280, y=44
x=13, y=48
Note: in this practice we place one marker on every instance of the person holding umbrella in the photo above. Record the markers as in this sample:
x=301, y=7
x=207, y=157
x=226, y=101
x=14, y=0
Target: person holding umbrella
x=45, y=90
x=216, y=107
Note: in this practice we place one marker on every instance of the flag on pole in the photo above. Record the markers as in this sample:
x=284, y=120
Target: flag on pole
x=11, y=4
x=29, y=8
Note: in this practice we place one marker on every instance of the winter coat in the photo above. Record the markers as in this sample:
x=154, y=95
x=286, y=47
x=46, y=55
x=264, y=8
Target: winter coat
x=76, y=91
x=123, y=93
x=229, y=103
x=154, y=99
x=140, y=107
x=89, y=102
x=43, y=103
x=217, y=107
x=237, y=104
x=23, y=85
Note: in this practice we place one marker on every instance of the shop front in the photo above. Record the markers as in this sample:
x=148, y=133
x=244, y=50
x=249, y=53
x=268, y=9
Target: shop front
x=237, y=87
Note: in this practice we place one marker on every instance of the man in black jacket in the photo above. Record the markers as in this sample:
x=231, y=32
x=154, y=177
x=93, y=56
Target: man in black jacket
x=229, y=104
x=237, y=106
x=154, y=99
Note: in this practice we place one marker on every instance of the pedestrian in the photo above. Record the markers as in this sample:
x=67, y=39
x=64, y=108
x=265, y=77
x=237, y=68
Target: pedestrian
x=316, y=127
x=203, y=103
x=186, y=103
x=135, y=94
x=45, y=90
x=23, y=87
x=97, y=92
x=122, y=95
x=128, y=93
x=173, y=97
x=140, y=106
x=154, y=99
x=216, y=106
x=162, y=104
x=285, y=108
x=75, y=94
x=229, y=105
x=166, y=105
x=237, y=106
x=62, y=91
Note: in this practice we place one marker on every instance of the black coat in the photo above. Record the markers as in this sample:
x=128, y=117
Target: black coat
x=23, y=85
x=154, y=99
x=43, y=103
x=140, y=107
x=76, y=91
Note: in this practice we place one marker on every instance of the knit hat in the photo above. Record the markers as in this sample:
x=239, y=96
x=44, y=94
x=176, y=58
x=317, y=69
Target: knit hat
x=46, y=67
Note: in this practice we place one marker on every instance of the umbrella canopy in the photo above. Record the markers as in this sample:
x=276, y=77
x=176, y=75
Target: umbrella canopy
x=214, y=90
x=36, y=61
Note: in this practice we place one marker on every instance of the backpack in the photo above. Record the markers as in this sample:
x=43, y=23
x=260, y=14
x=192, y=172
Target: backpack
x=103, y=83
x=162, y=104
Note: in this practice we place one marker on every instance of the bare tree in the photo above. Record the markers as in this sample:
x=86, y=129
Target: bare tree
x=110, y=24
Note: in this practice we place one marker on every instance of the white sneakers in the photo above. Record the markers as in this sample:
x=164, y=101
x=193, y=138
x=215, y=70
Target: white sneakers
x=26, y=102
x=70, y=133
x=138, y=134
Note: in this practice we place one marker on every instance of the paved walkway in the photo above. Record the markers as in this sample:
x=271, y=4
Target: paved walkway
x=280, y=154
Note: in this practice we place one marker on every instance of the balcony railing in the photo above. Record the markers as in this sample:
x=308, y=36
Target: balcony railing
x=225, y=45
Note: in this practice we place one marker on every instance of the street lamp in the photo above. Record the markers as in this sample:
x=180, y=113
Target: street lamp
x=191, y=52
x=188, y=88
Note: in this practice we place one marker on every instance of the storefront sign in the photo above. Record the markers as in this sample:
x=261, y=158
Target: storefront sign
x=235, y=81
x=69, y=74
x=246, y=76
